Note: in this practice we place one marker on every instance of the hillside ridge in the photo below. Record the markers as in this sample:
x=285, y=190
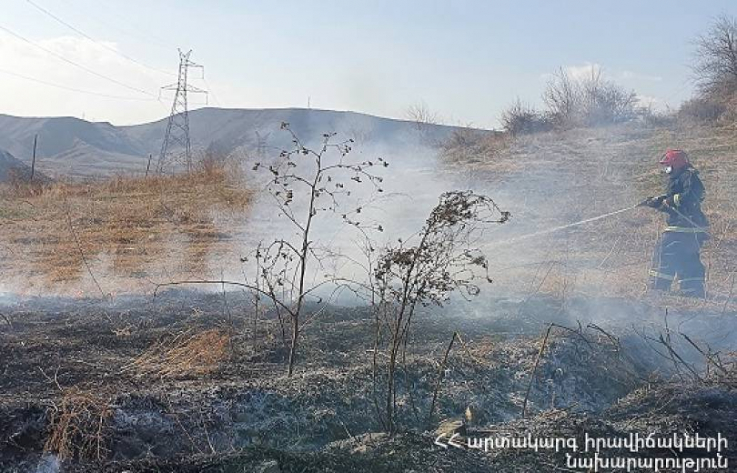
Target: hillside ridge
x=72, y=146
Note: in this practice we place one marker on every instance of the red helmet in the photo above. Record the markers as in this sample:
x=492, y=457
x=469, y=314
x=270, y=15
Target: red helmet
x=675, y=158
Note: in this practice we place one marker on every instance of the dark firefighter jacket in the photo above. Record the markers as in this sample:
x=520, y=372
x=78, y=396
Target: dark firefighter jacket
x=682, y=203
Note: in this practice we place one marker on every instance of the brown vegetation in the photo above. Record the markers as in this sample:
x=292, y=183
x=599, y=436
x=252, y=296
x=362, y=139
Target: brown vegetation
x=77, y=425
x=131, y=223
x=186, y=354
x=471, y=147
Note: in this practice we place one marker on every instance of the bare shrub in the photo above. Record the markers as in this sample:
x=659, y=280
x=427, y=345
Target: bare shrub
x=466, y=145
x=20, y=185
x=715, y=68
x=305, y=183
x=77, y=426
x=563, y=98
x=715, y=73
x=588, y=101
x=729, y=115
x=701, y=109
x=421, y=114
x=658, y=118
x=409, y=275
x=213, y=164
x=424, y=120
x=605, y=102
x=520, y=118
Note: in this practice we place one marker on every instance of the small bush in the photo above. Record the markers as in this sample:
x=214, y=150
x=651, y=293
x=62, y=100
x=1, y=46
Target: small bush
x=701, y=109
x=730, y=112
x=657, y=119
x=563, y=98
x=605, y=102
x=589, y=101
x=466, y=145
x=521, y=119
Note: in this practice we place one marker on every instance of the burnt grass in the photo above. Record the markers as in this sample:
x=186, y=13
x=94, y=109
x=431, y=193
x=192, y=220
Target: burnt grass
x=246, y=415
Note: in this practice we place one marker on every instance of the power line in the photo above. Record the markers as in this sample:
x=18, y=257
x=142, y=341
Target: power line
x=140, y=33
x=72, y=89
x=78, y=31
x=212, y=92
x=139, y=36
x=69, y=61
x=144, y=33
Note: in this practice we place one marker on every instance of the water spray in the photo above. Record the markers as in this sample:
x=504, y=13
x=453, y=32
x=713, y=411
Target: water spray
x=569, y=225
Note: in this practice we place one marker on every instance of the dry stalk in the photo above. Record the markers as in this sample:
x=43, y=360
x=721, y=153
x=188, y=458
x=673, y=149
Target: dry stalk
x=534, y=369
x=7, y=319
x=711, y=359
x=441, y=375
x=81, y=253
x=729, y=377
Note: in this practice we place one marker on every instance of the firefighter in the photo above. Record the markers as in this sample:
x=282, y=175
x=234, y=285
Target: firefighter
x=676, y=257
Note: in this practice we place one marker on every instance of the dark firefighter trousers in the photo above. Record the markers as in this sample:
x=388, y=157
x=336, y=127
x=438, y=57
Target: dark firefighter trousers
x=676, y=259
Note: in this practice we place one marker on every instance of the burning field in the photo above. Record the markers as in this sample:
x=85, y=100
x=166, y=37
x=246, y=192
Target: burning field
x=267, y=253
x=181, y=384
x=219, y=321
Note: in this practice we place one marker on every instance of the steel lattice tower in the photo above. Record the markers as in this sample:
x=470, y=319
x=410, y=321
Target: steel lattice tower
x=177, y=128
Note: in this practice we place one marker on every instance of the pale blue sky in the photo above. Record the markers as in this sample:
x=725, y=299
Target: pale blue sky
x=467, y=60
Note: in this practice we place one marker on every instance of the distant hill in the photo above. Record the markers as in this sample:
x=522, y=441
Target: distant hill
x=71, y=146
x=12, y=168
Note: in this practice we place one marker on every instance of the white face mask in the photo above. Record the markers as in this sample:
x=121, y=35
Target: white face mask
x=668, y=169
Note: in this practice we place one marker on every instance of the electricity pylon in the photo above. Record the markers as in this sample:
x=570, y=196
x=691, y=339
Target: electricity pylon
x=177, y=128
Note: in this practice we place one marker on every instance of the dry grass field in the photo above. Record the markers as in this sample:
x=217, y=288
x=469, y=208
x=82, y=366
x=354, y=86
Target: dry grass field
x=126, y=229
